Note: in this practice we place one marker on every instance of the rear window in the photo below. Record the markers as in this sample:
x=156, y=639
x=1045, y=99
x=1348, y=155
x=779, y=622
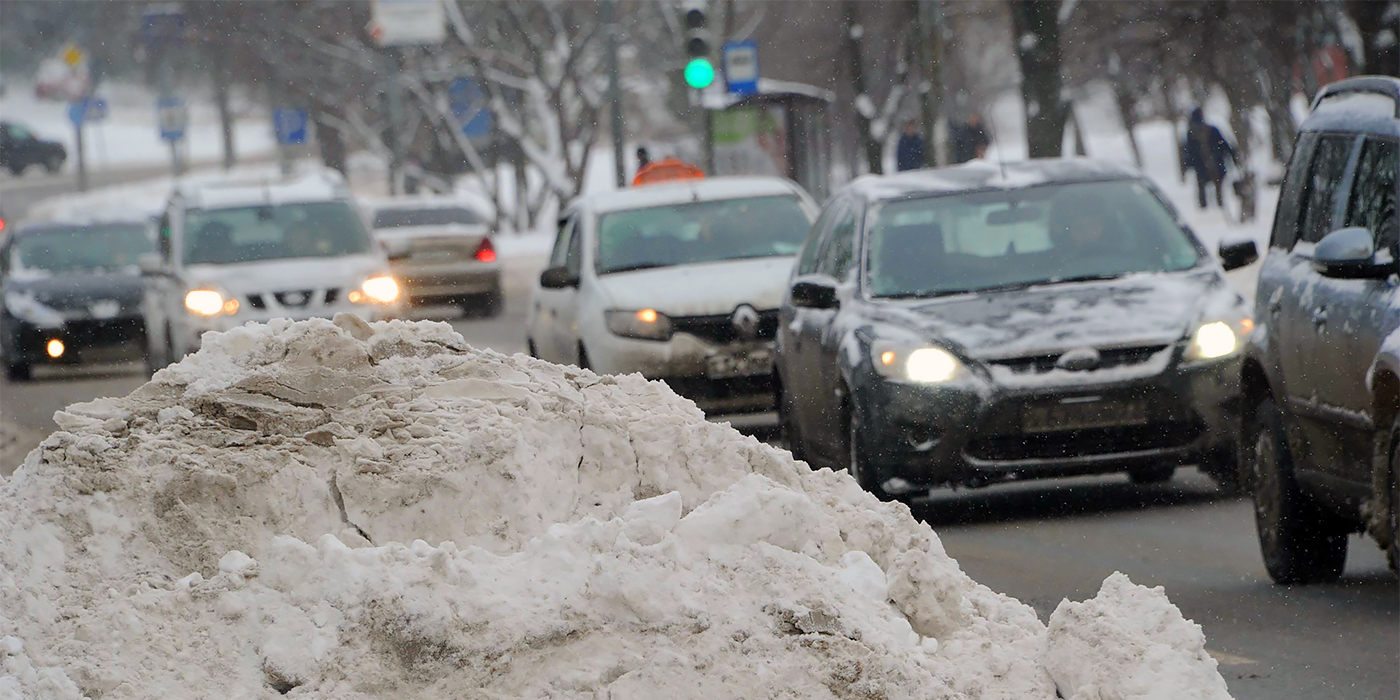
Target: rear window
x=438, y=216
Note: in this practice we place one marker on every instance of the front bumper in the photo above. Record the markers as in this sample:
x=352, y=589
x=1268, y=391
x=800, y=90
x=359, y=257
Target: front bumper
x=447, y=281
x=684, y=363
x=975, y=432
x=84, y=340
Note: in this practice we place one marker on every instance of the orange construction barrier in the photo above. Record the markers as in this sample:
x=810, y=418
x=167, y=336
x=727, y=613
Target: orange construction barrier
x=665, y=170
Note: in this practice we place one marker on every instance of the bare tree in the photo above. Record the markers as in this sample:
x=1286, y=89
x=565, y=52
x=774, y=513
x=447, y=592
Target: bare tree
x=1037, y=35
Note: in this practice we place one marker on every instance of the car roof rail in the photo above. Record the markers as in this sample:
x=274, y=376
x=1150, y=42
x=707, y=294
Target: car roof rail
x=1376, y=85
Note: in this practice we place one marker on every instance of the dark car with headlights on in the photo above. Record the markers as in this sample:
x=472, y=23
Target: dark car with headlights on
x=976, y=324
x=72, y=292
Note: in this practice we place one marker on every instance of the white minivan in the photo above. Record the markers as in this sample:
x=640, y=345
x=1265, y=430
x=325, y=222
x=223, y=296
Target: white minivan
x=679, y=281
x=238, y=250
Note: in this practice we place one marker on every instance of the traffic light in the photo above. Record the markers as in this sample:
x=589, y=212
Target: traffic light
x=699, y=70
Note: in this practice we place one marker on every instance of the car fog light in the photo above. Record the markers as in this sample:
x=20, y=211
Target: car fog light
x=54, y=348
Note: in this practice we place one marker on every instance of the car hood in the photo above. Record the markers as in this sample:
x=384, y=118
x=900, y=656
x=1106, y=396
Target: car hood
x=1138, y=310
x=79, y=291
x=704, y=289
x=291, y=274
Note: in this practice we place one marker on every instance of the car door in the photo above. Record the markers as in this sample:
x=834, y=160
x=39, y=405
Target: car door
x=800, y=326
x=823, y=339
x=1349, y=316
x=544, y=314
x=1305, y=355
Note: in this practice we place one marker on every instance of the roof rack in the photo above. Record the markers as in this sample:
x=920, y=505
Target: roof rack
x=1376, y=85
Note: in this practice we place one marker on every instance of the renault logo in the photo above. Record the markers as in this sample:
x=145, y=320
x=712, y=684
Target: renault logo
x=745, y=321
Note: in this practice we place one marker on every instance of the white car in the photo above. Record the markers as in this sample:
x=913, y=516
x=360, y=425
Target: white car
x=679, y=281
x=233, y=251
x=446, y=248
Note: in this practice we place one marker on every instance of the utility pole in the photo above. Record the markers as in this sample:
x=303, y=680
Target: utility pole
x=928, y=33
x=609, y=12
x=394, y=93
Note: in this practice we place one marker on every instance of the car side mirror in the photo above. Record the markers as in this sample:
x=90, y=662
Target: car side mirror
x=814, y=294
x=1236, y=254
x=1350, y=253
x=558, y=278
x=397, y=250
x=150, y=264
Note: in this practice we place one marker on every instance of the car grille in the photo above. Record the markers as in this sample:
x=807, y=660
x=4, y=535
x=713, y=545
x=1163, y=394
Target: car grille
x=1085, y=443
x=1108, y=358
x=719, y=329
x=296, y=298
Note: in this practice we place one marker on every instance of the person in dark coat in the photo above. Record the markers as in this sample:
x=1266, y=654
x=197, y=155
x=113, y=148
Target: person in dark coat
x=909, y=154
x=968, y=140
x=1204, y=151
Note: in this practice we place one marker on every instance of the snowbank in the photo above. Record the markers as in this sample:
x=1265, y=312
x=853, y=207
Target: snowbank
x=351, y=511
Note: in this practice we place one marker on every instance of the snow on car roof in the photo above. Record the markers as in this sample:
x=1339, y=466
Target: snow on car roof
x=987, y=175
x=1358, y=105
x=426, y=201
x=307, y=186
x=710, y=188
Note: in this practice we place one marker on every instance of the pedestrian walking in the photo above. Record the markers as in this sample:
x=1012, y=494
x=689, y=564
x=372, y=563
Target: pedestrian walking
x=909, y=154
x=1204, y=151
x=643, y=158
x=968, y=140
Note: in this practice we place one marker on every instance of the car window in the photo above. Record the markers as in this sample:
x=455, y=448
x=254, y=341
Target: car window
x=164, y=238
x=700, y=232
x=839, y=251
x=247, y=234
x=561, y=242
x=970, y=242
x=807, y=261
x=1329, y=163
x=19, y=133
x=81, y=248
x=1372, y=203
x=1285, y=231
x=426, y=216
x=573, y=259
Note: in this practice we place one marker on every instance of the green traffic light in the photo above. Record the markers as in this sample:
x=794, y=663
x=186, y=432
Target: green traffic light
x=699, y=73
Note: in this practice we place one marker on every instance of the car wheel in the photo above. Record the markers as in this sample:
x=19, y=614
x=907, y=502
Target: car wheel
x=17, y=169
x=1300, y=542
x=858, y=463
x=1152, y=475
x=156, y=356
x=18, y=371
x=787, y=424
x=583, y=358
x=52, y=165
x=530, y=348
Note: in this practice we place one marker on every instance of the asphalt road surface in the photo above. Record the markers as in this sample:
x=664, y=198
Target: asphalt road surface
x=1040, y=542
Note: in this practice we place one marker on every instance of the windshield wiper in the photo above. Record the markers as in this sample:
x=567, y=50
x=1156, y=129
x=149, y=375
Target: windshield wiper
x=1085, y=278
x=633, y=268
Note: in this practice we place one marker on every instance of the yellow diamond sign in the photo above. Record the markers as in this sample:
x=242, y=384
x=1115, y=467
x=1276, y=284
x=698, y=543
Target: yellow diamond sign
x=72, y=55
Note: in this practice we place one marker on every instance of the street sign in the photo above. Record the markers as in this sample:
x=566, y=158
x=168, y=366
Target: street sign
x=740, y=59
x=290, y=125
x=72, y=55
x=164, y=25
x=469, y=105
x=172, y=117
x=87, y=109
x=408, y=22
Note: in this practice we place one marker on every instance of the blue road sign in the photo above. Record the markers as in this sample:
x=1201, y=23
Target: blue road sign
x=164, y=25
x=290, y=125
x=87, y=109
x=740, y=60
x=469, y=105
x=171, y=114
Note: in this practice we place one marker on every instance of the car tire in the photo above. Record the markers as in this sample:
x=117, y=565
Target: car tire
x=858, y=463
x=583, y=358
x=787, y=424
x=52, y=165
x=19, y=371
x=155, y=358
x=530, y=348
x=1152, y=475
x=17, y=169
x=1299, y=541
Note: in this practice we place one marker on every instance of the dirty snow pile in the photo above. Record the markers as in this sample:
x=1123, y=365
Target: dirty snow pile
x=337, y=510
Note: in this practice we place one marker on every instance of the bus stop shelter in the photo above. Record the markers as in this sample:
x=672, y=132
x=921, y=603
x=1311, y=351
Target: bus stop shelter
x=781, y=130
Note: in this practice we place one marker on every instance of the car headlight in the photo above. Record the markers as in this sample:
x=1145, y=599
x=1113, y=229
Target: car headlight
x=381, y=289
x=1220, y=338
x=924, y=365
x=646, y=324
x=208, y=302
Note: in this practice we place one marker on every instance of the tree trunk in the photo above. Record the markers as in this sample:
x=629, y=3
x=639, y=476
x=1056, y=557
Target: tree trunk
x=1037, y=39
x=874, y=153
x=221, y=100
x=1127, y=112
x=928, y=37
x=1369, y=18
x=332, y=145
x=1079, y=148
x=1174, y=114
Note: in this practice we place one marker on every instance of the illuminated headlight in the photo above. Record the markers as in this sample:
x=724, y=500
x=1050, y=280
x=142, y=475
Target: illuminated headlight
x=924, y=365
x=207, y=302
x=1216, y=339
x=646, y=324
x=376, y=290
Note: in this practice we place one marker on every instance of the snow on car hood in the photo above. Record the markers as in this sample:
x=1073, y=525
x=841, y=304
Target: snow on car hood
x=1143, y=309
x=333, y=509
x=701, y=290
x=294, y=273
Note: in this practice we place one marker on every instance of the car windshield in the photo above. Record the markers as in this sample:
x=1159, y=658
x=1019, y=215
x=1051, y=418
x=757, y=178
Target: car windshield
x=436, y=216
x=248, y=234
x=1047, y=234
x=698, y=232
x=89, y=247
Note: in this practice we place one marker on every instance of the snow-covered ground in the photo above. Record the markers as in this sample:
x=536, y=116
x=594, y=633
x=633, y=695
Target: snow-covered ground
x=129, y=136
x=338, y=510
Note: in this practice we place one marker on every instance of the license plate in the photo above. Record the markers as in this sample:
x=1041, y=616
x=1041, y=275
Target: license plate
x=740, y=363
x=1083, y=416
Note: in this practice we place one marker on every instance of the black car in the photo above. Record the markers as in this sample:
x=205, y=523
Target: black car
x=20, y=148
x=1321, y=378
x=976, y=324
x=71, y=291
